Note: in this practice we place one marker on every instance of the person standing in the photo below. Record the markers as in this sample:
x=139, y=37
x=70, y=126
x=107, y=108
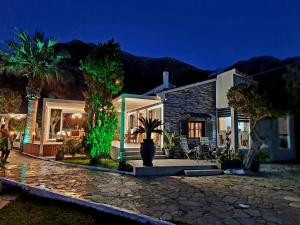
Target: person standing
x=4, y=144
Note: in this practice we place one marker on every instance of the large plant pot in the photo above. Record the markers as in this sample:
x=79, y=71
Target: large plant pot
x=147, y=152
x=231, y=164
x=169, y=153
x=59, y=155
x=255, y=166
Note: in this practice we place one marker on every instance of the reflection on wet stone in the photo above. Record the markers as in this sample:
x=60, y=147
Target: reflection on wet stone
x=182, y=200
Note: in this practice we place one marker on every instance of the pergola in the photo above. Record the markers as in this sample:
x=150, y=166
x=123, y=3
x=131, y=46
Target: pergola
x=67, y=106
x=123, y=104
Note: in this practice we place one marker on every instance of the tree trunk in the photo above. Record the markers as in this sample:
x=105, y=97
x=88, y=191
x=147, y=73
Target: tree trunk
x=253, y=149
x=31, y=120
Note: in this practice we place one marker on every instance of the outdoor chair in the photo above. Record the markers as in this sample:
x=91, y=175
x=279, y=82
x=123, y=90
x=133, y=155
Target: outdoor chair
x=185, y=148
x=205, y=149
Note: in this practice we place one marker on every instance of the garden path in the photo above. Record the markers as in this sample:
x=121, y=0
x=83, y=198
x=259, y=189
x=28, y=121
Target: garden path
x=181, y=200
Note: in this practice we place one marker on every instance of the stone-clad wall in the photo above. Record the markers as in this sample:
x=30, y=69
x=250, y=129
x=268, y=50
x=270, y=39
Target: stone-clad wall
x=196, y=99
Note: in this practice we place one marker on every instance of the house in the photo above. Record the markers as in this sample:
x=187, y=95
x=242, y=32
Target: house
x=200, y=110
x=196, y=110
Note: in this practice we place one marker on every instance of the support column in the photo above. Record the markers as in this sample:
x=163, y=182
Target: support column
x=122, y=129
x=43, y=128
x=61, y=121
x=234, y=130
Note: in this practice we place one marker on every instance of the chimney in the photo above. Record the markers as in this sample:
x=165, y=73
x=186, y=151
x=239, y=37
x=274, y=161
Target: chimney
x=166, y=79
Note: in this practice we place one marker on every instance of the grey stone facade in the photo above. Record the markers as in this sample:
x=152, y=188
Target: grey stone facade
x=186, y=104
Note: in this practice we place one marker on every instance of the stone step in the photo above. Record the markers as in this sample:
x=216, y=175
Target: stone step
x=137, y=157
x=209, y=172
x=132, y=153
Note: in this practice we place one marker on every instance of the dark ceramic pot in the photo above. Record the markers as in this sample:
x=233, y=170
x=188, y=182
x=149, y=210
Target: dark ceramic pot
x=169, y=153
x=255, y=166
x=147, y=152
x=231, y=164
x=60, y=155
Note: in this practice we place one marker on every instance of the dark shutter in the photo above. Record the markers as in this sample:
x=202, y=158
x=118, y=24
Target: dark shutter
x=183, y=127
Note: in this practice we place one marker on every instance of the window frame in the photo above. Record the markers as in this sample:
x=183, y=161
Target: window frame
x=201, y=129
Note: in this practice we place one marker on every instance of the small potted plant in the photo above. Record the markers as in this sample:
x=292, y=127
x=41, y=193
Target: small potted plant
x=60, y=154
x=260, y=157
x=148, y=126
x=227, y=158
x=170, y=142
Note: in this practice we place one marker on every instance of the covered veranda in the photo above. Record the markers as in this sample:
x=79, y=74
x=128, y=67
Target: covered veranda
x=49, y=139
x=130, y=108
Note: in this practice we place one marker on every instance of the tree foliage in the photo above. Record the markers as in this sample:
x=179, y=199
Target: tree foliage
x=292, y=78
x=34, y=58
x=10, y=101
x=103, y=76
x=249, y=101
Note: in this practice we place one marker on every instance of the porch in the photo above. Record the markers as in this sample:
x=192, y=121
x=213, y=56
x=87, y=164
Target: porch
x=130, y=108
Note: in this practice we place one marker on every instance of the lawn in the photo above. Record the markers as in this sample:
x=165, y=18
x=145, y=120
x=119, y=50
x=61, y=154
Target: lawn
x=30, y=210
x=105, y=163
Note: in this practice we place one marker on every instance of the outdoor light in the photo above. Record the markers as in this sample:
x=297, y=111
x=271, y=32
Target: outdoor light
x=76, y=115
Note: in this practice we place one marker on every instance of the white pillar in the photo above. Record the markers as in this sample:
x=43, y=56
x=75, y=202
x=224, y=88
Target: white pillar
x=234, y=130
x=122, y=128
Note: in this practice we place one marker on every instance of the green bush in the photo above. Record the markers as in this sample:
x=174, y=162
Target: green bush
x=72, y=146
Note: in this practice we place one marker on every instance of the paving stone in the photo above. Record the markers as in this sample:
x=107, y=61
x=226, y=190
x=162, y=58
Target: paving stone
x=231, y=222
x=295, y=205
x=238, y=213
x=3, y=203
x=292, y=199
x=252, y=212
x=184, y=200
x=247, y=221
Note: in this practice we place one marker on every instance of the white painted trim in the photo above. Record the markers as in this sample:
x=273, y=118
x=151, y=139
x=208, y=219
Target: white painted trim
x=191, y=85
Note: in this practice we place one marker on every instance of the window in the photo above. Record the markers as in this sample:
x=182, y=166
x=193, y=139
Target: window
x=244, y=134
x=195, y=129
x=283, y=130
x=224, y=125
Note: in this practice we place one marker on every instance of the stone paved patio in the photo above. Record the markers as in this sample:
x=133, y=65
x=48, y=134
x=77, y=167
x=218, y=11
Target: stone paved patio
x=182, y=200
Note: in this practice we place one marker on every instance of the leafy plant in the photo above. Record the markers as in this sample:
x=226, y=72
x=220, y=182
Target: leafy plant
x=171, y=141
x=148, y=127
x=34, y=58
x=72, y=146
x=249, y=101
x=18, y=125
x=261, y=157
x=10, y=101
x=103, y=76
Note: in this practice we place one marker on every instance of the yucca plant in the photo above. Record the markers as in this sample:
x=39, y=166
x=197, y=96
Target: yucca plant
x=148, y=126
x=33, y=57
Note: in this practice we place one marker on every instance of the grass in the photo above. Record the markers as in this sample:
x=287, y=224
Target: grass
x=106, y=163
x=31, y=210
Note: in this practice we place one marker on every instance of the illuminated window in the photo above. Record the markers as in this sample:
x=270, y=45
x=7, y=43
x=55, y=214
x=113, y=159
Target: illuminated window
x=196, y=129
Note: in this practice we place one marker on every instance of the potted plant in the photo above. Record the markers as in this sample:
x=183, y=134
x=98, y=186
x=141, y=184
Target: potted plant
x=260, y=157
x=148, y=126
x=170, y=142
x=60, y=154
x=227, y=158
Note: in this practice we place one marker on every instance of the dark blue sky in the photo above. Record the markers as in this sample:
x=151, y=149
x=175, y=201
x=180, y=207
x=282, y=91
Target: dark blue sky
x=209, y=34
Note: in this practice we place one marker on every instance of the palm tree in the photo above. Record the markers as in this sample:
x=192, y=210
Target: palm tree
x=34, y=58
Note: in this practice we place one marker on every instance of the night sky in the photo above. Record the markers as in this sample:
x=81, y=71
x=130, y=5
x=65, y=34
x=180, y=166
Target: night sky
x=209, y=34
